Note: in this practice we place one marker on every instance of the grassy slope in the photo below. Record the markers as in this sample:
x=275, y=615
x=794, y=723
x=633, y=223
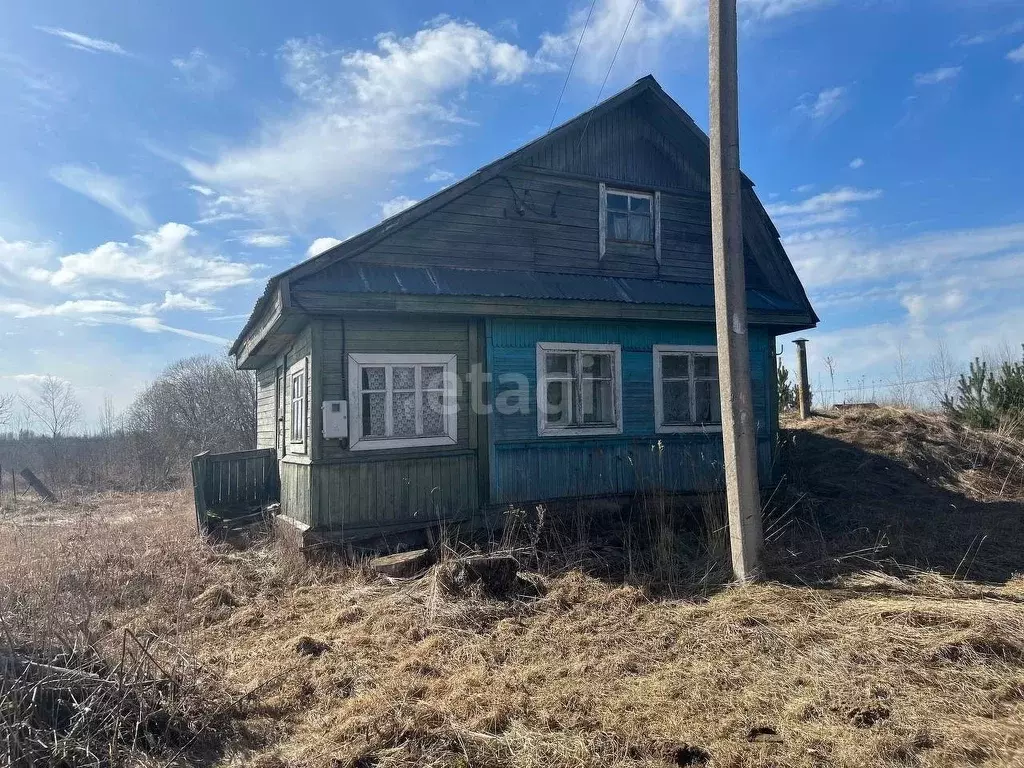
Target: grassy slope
x=890, y=633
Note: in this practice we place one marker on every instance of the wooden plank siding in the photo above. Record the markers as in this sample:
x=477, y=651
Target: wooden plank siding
x=389, y=487
x=506, y=223
x=296, y=490
x=526, y=467
x=266, y=400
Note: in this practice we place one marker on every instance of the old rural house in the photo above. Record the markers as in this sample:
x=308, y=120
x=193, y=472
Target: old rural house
x=541, y=330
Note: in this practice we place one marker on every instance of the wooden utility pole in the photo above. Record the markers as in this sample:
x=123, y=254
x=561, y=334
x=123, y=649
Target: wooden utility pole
x=803, y=390
x=739, y=429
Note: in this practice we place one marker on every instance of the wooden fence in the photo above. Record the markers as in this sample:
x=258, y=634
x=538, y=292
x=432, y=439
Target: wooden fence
x=232, y=486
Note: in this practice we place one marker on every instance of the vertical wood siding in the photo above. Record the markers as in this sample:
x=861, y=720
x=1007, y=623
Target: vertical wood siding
x=300, y=349
x=296, y=491
x=529, y=468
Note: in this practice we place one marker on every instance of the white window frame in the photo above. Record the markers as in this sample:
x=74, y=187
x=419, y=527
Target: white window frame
x=660, y=350
x=546, y=430
x=357, y=442
x=300, y=368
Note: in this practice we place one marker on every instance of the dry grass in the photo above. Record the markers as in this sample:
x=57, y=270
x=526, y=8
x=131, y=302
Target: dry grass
x=891, y=656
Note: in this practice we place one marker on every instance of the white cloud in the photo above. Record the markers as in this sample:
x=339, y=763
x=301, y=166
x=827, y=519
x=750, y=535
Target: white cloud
x=396, y=205
x=362, y=117
x=162, y=257
x=437, y=176
x=21, y=258
x=83, y=42
x=108, y=191
x=199, y=73
x=181, y=302
x=921, y=307
x=824, y=208
x=204, y=191
x=1017, y=54
x=826, y=106
x=78, y=307
x=989, y=35
x=654, y=26
x=857, y=162
x=320, y=245
x=265, y=240
x=936, y=76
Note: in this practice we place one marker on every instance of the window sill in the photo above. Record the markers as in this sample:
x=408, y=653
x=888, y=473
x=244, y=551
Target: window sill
x=383, y=444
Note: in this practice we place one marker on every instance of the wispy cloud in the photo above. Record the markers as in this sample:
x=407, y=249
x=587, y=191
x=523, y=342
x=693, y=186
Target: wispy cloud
x=361, y=118
x=825, y=106
x=936, y=76
x=438, y=176
x=84, y=42
x=198, y=72
x=266, y=240
x=1017, y=54
x=989, y=35
x=654, y=26
x=153, y=325
x=856, y=163
x=108, y=191
x=825, y=208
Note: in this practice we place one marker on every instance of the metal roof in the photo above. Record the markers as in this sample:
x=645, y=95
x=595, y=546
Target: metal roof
x=345, y=277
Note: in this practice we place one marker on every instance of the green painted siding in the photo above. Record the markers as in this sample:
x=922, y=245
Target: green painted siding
x=295, y=490
x=265, y=403
x=394, y=486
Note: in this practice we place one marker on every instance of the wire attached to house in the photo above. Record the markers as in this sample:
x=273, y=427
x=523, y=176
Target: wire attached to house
x=571, y=65
x=606, y=74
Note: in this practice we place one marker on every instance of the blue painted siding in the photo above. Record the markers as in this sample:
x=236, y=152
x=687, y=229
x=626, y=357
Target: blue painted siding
x=526, y=467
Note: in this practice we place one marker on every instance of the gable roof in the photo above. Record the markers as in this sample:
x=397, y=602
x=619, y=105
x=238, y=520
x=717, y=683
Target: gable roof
x=677, y=122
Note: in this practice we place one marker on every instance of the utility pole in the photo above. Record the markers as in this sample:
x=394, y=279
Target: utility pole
x=803, y=392
x=739, y=429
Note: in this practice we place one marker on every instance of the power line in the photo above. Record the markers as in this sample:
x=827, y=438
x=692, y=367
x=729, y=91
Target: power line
x=877, y=385
x=606, y=74
x=572, y=64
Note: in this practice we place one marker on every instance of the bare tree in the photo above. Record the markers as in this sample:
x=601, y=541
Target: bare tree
x=6, y=408
x=943, y=373
x=54, y=406
x=904, y=388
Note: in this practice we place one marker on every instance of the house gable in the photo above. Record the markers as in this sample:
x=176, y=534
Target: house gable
x=538, y=210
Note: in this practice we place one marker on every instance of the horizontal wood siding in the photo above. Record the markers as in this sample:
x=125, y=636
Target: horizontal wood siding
x=265, y=402
x=528, y=468
x=538, y=221
x=394, y=486
x=383, y=492
x=295, y=491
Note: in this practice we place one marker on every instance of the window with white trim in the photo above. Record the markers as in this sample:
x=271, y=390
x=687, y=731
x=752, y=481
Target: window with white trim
x=579, y=389
x=686, y=390
x=402, y=401
x=297, y=400
x=630, y=216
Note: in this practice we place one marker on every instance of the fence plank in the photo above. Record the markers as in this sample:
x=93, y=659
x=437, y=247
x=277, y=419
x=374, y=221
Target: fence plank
x=226, y=481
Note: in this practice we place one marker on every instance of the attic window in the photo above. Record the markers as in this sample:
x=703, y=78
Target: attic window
x=630, y=216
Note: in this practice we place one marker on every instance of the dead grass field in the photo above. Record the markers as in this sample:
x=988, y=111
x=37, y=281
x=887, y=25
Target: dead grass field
x=890, y=631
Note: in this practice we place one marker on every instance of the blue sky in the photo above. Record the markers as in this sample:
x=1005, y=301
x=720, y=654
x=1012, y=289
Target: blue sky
x=161, y=161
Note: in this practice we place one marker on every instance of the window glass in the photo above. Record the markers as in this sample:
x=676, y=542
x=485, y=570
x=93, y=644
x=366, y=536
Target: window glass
x=579, y=389
x=690, y=395
x=630, y=216
x=401, y=401
x=677, y=402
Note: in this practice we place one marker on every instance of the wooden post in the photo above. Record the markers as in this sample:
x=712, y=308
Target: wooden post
x=199, y=489
x=739, y=428
x=14, y=487
x=803, y=392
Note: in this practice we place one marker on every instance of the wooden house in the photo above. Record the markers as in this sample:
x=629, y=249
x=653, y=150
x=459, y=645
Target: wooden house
x=543, y=329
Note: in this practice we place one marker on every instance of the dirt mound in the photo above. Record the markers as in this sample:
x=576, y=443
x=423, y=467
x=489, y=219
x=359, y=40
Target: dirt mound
x=908, y=488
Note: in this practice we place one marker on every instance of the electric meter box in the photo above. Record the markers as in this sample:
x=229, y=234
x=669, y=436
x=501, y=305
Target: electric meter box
x=335, y=419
